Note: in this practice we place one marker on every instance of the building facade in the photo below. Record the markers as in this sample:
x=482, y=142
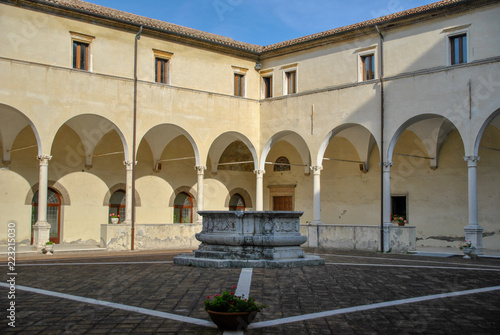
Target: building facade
x=393, y=116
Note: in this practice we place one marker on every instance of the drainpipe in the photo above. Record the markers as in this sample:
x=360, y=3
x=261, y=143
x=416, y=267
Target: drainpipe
x=134, y=144
x=381, y=139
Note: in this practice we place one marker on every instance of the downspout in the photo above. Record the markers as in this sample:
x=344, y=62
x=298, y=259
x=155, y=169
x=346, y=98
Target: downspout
x=381, y=139
x=134, y=144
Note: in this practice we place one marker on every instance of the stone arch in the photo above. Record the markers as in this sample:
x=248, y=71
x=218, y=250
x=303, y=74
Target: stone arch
x=120, y=186
x=244, y=194
x=493, y=119
x=295, y=140
x=223, y=141
x=63, y=192
x=432, y=129
x=186, y=189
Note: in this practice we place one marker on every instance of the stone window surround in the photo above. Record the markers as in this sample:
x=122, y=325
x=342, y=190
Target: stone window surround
x=363, y=52
x=165, y=55
x=82, y=38
x=456, y=31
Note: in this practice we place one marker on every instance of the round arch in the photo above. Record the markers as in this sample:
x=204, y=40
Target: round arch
x=244, y=194
x=13, y=121
x=61, y=190
x=183, y=189
x=223, y=141
x=432, y=129
x=295, y=140
x=117, y=187
x=494, y=119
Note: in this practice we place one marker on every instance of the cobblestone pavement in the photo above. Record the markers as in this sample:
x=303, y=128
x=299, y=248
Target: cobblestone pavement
x=100, y=294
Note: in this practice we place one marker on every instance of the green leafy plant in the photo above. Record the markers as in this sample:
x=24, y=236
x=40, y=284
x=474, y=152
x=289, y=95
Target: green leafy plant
x=466, y=244
x=229, y=302
x=399, y=218
x=113, y=215
x=49, y=243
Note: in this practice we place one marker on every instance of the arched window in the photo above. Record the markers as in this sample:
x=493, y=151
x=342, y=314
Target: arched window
x=117, y=205
x=183, y=208
x=53, y=214
x=236, y=203
x=282, y=164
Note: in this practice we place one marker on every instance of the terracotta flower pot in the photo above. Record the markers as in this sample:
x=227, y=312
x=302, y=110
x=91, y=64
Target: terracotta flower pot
x=232, y=320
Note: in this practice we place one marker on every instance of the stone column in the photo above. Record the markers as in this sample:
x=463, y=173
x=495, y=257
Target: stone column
x=259, y=205
x=41, y=229
x=386, y=210
x=200, y=170
x=313, y=229
x=473, y=231
x=128, y=193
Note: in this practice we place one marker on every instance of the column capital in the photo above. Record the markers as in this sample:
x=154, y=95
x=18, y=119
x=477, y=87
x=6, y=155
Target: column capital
x=316, y=169
x=471, y=160
x=386, y=166
x=128, y=164
x=259, y=173
x=44, y=159
x=200, y=169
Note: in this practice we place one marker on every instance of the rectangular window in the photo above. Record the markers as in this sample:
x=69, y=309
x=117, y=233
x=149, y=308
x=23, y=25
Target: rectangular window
x=291, y=82
x=268, y=87
x=368, y=67
x=458, y=46
x=398, y=205
x=161, y=70
x=80, y=55
x=239, y=82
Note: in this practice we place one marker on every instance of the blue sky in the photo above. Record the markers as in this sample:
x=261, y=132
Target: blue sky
x=262, y=22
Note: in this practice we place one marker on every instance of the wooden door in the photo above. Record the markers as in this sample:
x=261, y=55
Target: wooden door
x=283, y=203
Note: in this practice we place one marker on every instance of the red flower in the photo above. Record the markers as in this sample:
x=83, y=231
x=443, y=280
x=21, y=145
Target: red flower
x=208, y=297
x=234, y=287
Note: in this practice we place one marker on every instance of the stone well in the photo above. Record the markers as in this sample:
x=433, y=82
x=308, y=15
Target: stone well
x=249, y=239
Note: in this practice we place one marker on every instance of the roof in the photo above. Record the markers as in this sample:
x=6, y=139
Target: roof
x=199, y=35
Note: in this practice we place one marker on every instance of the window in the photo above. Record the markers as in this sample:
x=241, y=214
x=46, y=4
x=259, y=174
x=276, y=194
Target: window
x=367, y=63
x=398, y=205
x=80, y=55
x=268, y=87
x=291, y=82
x=458, y=48
x=183, y=208
x=236, y=203
x=53, y=214
x=81, y=45
x=282, y=164
x=239, y=82
x=161, y=70
x=117, y=205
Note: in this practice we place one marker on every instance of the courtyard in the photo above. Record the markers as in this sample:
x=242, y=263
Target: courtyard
x=354, y=293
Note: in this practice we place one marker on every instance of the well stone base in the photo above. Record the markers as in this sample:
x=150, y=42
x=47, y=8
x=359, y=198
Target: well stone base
x=191, y=260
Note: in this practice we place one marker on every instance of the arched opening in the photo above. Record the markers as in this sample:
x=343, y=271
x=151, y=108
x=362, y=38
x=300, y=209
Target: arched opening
x=117, y=205
x=183, y=208
x=282, y=164
x=53, y=214
x=237, y=203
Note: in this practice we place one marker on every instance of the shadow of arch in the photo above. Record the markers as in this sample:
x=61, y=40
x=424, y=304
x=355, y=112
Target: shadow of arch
x=493, y=120
x=117, y=187
x=244, y=194
x=186, y=189
x=63, y=192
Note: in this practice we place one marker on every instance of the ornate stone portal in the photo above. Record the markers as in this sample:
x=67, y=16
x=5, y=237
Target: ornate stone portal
x=249, y=239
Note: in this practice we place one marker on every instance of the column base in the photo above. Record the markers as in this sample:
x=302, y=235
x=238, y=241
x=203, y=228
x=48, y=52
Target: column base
x=41, y=234
x=313, y=234
x=387, y=237
x=474, y=233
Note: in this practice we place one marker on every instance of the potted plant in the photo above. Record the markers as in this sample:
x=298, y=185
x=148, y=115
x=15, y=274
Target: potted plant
x=115, y=218
x=49, y=248
x=399, y=219
x=231, y=312
x=467, y=248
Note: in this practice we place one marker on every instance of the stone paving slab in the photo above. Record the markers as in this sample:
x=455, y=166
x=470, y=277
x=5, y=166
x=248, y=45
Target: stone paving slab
x=348, y=279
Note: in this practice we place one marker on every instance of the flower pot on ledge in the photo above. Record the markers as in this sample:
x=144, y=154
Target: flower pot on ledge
x=115, y=220
x=232, y=320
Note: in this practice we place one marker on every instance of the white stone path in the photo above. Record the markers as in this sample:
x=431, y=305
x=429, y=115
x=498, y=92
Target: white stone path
x=243, y=288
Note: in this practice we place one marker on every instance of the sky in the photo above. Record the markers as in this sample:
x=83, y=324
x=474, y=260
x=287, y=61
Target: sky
x=262, y=22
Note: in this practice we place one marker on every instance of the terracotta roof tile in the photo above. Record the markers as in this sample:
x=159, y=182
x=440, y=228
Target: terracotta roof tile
x=209, y=37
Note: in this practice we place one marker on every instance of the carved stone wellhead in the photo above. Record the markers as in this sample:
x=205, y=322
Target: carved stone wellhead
x=249, y=239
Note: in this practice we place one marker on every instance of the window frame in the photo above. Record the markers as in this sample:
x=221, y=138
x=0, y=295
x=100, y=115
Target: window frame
x=463, y=52
x=182, y=207
x=451, y=33
x=166, y=57
x=239, y=81
x=267, y=86
x=362, y=55
x=287, y=80
x=82, y=39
